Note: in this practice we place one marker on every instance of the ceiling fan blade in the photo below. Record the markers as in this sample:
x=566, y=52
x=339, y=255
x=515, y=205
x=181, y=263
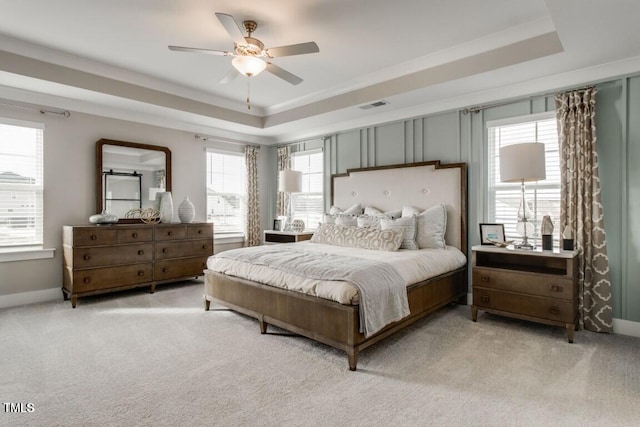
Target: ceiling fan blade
x=283, y=74
x=232, y=28
x=198, y=50
x=230, y=76
x=293, y=49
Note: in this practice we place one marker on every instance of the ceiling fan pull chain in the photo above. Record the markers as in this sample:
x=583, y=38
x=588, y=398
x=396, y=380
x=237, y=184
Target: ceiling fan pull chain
x=249, y=93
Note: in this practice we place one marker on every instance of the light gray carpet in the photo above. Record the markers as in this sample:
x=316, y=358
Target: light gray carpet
x=139, y=359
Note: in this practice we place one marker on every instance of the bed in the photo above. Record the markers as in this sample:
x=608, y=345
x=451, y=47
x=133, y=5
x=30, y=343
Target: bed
x=339, y=323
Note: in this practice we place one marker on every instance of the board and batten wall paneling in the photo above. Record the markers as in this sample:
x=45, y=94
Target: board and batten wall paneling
x=631, y=287
x=610, y=108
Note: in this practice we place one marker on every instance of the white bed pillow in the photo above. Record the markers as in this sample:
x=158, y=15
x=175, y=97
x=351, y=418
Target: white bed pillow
x=346, y=220
x=409, y=229
x=431, y=224
x=355, y=237
x=371, y=211
x=353, y=210
x=368, y=221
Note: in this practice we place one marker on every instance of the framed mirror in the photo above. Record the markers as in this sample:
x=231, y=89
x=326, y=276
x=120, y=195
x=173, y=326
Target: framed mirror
x=129, y=175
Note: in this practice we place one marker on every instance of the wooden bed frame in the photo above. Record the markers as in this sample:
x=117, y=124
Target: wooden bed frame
x=337, y=324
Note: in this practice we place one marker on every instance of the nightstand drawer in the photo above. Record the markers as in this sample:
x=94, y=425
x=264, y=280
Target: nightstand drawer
x=545, y=285
x=542, y=308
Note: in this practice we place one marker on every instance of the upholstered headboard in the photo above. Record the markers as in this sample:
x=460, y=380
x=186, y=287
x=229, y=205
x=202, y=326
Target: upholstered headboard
x=422, y=185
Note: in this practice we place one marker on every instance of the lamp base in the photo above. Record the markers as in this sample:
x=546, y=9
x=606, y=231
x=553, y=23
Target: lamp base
x=524, y=245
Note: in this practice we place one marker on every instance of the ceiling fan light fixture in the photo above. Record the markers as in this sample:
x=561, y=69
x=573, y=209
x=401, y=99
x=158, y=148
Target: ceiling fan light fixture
x=249, y=65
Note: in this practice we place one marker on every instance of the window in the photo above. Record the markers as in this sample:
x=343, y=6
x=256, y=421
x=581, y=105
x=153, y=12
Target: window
x=226, y=192
x=308, y=205
x=543, y=197
x=21, y=186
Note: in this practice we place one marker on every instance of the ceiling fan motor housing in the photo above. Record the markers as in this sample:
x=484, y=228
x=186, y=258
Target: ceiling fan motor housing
x=254, y=47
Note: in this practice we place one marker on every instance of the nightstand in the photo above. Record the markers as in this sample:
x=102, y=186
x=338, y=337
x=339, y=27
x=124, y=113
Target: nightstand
x=540, y=286
x=273, y=236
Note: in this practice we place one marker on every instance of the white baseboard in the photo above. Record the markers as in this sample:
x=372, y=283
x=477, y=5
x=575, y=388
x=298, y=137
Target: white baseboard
x=32, y=297
x=620, y=326
x=626, y=327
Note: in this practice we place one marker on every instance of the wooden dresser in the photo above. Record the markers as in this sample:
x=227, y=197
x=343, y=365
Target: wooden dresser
x=100, y=259
x=541, y=286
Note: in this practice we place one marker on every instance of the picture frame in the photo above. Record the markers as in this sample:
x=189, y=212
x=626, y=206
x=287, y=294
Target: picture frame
x=277, y=225
x=491, y=233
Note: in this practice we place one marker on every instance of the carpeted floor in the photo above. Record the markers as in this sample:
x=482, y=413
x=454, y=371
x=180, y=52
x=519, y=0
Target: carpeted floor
x=139, y=359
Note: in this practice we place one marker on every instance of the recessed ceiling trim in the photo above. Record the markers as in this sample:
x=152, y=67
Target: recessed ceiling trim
x=516, y=53
x=22, y=65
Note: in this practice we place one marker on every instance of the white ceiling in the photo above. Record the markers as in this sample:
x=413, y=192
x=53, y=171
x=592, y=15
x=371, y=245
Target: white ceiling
x=111, y=58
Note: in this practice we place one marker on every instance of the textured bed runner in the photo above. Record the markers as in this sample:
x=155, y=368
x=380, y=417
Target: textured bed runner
x=382, y=291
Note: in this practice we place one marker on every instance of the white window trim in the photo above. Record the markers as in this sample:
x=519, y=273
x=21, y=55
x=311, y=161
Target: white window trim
x=229, y=236
x=26, y=254
x=32, y=252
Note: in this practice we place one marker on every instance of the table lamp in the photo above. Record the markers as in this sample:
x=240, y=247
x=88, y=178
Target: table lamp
x=289, y=181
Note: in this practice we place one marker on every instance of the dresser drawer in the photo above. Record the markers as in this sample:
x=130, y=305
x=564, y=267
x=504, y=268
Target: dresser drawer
x=88, y=257
x=178, y=232
x=94, y=236
x=134, y=235
x=519, y=281
x=200, y=231
x=111, y=277
x=542, y=308
x=184, y=249
x=173, y=269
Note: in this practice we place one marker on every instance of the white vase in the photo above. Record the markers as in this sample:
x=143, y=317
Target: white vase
x=186, y=210
x=166, y=206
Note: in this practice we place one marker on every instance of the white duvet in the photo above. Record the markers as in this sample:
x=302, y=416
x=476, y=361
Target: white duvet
x=413, y=266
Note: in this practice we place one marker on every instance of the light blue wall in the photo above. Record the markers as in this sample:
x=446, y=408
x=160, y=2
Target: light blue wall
x=457, y=137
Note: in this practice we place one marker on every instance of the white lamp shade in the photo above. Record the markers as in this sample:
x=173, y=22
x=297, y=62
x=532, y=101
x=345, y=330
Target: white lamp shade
x=290, y=181
x=249, y=65
x=522, y=162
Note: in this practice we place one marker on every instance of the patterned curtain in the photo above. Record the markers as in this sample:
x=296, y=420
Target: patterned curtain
x=284, y=162
x=253, y=231
x=581, y=206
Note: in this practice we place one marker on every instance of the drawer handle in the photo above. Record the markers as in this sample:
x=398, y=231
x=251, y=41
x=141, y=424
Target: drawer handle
x=485, y=278
x=555, y=288
x=87, y=280
x=140, y=273
x=169, y=233
x=134, y=235
x=165, y=269
x=485, y=298
x=140, y=252
x=204, y=246
x=94, y=237
x=165, y=250
x=554, y=310
x=87, y=257
x=199, y=231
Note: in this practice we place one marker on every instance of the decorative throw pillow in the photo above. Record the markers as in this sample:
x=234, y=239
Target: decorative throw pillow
x=346, y=220
x=432, y=225
x=407, y=225
x=371, y=211
x=367, y=221
x=328, y=219
x=364, y=238
x=353, y=210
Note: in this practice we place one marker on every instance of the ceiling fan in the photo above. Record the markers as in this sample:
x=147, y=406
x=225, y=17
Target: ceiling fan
x=250, y=55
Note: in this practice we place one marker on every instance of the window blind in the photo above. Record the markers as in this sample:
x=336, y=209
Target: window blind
x=21, y=184
x=308, y=205
x=543, y=197
x=226, y=192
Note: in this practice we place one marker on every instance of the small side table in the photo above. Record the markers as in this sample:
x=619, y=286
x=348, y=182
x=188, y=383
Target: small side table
x=540, y=286
x=273, y=236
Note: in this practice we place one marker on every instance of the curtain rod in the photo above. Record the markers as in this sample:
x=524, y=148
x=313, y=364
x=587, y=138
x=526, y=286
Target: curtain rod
x=302, y=141
x=479, y=108
x=64, y=113
x=205, y=138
